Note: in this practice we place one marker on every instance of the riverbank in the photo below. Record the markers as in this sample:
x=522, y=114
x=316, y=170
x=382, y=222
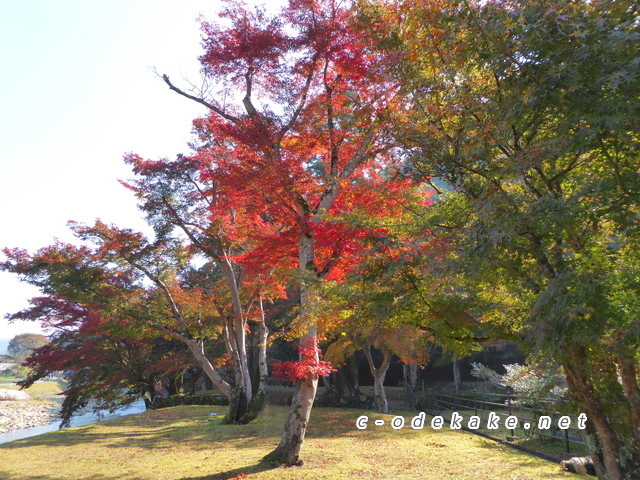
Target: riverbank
x=19, y=415
x=41, y=409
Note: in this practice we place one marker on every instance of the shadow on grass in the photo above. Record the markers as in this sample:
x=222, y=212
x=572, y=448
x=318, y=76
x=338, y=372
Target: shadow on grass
x=193, y=427
x=34, y=476
x=174, y=429
x=522, y=459
x=232, y=474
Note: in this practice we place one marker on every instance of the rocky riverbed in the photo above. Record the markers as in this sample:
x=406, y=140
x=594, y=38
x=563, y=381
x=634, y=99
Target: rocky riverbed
x=18, y=415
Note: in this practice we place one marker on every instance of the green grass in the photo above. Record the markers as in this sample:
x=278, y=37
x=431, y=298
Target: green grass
x=185, y=443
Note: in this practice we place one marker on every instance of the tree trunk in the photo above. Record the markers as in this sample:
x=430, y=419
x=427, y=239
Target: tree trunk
x=629, y=379
x=343, y=385
x=378, y=373
x=353, y=370
x=410, y=375
x=456, y=374
x=149, y=397
x=241, y=395
x=612, y=459
x=259, y=400
x=197, y=349
x=263, y=369
x=288, y=450
x=238, y=406
x=379, y=395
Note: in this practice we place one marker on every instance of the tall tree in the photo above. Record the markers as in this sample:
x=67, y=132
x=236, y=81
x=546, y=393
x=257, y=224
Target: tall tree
x=528, y=111
x=190, y=303
x=295, y=134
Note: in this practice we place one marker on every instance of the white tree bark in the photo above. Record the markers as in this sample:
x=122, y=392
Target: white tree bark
x=379, y=373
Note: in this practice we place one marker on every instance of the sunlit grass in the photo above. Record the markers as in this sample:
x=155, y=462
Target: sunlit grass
x=185, y=443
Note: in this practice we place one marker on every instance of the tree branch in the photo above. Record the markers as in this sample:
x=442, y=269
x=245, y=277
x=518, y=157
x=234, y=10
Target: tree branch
x=201, y=101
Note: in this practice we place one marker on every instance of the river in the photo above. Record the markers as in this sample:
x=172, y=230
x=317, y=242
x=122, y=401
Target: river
x=76, y=421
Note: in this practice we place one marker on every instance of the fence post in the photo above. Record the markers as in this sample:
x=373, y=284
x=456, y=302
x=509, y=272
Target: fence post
x=513, y=432
x=475, y=403
x=566, y=440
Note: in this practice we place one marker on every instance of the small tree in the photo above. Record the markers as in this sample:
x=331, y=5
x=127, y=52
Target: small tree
x=21, y=346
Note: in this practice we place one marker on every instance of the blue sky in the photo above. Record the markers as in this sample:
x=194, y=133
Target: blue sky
x=77, y=91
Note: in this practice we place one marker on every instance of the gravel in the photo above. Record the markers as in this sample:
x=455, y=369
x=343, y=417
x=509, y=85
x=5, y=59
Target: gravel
x=18, y=415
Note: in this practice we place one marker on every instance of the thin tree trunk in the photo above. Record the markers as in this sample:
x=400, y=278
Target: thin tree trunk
x=150, y=397
x=353, y=370
x=237, y=335
x=378, y=373
x=263, y=337
x=456, y=374
x=410, y=375
x=197, y=349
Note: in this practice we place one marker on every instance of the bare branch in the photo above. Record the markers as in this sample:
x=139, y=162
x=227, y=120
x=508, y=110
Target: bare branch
x=246, y=101
x=361, y=154
x=201, y=101
x=303, y=101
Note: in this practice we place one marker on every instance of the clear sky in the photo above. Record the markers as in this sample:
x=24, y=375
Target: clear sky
x=77, y=91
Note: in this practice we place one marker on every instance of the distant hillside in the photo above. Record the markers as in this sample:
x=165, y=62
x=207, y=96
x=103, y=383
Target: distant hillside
x=4, y=343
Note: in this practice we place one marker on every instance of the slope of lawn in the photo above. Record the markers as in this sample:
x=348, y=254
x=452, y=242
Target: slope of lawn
x=186, y=443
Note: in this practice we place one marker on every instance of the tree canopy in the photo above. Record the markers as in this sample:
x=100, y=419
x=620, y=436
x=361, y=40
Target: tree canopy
x=528, y=112
x=405, y=173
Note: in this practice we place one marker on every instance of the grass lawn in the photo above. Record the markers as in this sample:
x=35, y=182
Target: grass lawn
x=185, y=443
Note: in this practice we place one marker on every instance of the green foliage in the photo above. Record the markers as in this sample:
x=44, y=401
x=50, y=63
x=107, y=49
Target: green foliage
x=529, y=112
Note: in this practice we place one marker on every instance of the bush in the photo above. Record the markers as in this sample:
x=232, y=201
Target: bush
x=530, y=381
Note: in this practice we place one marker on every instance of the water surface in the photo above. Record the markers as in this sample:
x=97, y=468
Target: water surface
x=76, y=421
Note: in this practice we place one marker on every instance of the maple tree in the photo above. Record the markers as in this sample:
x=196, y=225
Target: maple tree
x=180, y=195
x=104, y=289
x=99, y=341
x=368, y=322
x=527, y=111
x=295, y=134
x=394, y=299
x=196, y=307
